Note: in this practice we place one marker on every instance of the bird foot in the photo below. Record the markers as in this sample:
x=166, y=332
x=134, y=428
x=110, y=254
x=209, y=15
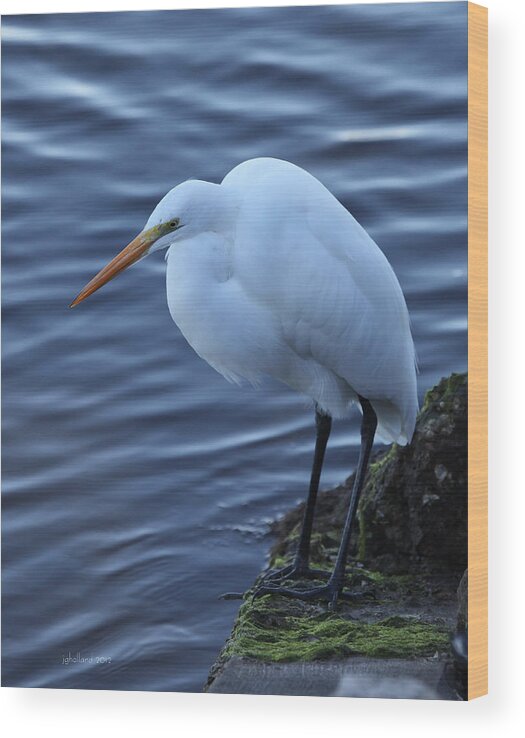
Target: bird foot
x=331, y=591
x=295, y=571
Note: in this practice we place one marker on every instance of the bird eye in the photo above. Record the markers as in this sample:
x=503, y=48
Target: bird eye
x=173, y=224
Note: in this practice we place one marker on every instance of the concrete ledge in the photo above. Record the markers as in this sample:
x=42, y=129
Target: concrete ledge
x=424, y=679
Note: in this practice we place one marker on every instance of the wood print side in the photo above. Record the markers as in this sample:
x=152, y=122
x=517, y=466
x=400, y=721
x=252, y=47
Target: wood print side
x=477, y=352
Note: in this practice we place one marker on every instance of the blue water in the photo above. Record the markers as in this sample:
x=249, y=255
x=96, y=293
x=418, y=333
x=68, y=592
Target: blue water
x=137, y=483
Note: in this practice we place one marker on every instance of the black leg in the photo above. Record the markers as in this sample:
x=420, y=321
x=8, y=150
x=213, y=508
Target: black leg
x=300, y=566
x=368, y=430
x=332, y=590
x=324, y=426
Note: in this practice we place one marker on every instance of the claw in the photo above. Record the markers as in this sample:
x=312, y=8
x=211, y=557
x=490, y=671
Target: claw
x=276, y=574
x=331, y=591
x=293, y=571
x=326, y=592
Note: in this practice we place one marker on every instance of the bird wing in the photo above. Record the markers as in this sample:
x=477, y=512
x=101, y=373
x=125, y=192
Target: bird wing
x=336, y=297
x=349, y=316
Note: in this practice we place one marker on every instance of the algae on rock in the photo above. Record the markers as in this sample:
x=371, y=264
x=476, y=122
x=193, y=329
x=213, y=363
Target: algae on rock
x=270, y=629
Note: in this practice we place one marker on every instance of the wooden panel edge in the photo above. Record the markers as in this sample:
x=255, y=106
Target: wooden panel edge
x=477, y=351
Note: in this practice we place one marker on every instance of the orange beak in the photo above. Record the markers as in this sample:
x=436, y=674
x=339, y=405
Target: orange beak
x=134, y=251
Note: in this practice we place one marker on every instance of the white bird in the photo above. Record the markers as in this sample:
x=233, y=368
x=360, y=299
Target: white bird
x=268, y=274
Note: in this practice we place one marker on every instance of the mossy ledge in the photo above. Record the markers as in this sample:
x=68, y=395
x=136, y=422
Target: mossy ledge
x=267, y=630
x=409, y=553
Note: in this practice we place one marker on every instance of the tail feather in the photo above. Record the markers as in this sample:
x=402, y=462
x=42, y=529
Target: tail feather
x=392, y=426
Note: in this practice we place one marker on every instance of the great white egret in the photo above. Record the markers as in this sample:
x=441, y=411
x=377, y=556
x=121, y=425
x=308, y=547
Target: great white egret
x=268, y=274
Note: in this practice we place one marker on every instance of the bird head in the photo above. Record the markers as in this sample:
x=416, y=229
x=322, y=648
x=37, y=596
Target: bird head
x=191, y=208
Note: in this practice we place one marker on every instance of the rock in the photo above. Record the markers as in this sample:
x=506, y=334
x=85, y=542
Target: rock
x=410, y=550
x=413, y=510
x=353, y=677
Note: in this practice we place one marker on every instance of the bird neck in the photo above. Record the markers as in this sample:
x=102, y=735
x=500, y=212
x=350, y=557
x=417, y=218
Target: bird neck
x=222, y=211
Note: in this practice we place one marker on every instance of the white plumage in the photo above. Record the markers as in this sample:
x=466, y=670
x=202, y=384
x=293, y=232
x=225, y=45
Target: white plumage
x=270, y=275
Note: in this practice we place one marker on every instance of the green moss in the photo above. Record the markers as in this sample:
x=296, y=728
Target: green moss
x=278, y=562
x=320, y=553
x=374, y=475
x=268, y=631
x=445, y=392
x=378, y=466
